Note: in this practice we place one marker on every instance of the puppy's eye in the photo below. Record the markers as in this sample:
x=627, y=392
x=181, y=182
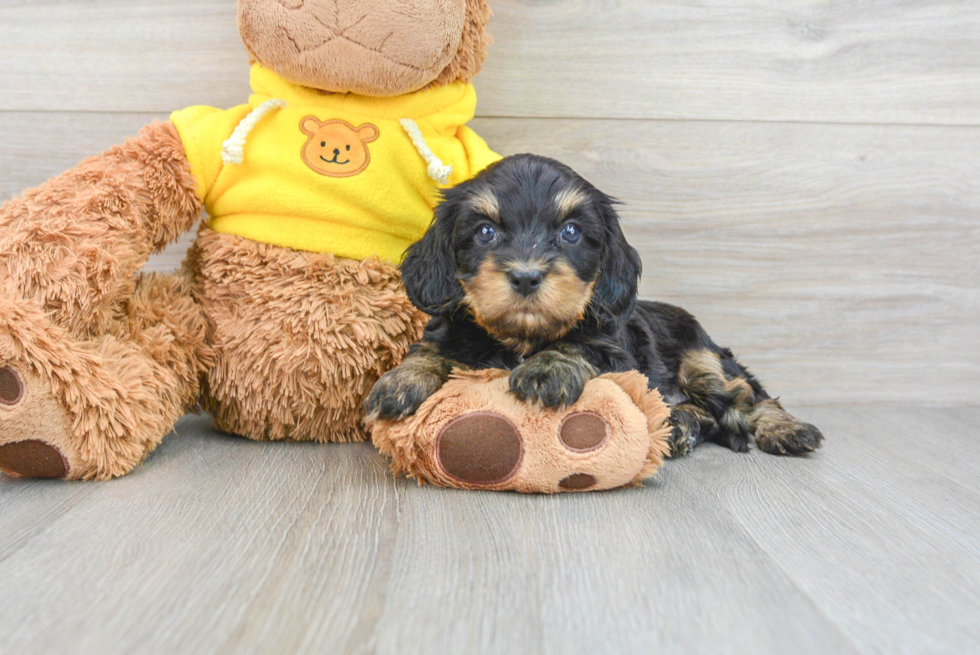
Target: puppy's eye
x=571, y=234
x=486, y=234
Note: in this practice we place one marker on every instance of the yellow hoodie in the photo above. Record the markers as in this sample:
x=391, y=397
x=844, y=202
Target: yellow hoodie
x=336, y=173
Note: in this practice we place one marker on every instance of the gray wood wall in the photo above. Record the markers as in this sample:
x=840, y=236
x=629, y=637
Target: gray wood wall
x=803, y=176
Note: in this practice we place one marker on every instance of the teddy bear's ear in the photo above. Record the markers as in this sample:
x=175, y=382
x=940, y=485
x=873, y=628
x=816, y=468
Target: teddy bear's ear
x=367, y=133
x=310, y=125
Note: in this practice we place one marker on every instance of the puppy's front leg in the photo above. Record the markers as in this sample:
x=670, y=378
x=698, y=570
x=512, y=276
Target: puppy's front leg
x=556, y=377
x=403, y=389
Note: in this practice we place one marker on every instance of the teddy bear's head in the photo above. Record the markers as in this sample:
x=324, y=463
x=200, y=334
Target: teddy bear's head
x=369, y=47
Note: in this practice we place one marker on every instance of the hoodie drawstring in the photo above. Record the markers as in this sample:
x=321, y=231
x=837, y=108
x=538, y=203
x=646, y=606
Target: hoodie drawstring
x=437, y=170
x=233, y=150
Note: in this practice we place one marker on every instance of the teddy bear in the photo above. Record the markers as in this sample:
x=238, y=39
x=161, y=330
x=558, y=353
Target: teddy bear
x=289, y=305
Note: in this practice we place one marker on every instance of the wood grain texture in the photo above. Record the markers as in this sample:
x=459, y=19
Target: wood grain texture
x=841, y=262
x=218, y=544
x=120, y=55
x=886, y=503
x=893, y=61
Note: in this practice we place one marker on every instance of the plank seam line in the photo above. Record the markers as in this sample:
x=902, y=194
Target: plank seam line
x=165, y=113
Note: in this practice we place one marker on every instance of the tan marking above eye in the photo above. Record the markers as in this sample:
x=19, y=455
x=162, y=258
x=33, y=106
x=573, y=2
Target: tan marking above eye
x=568, y=200
x=485, y=202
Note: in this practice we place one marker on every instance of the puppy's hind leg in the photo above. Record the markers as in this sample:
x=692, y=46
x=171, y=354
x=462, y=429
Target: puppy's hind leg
x=727, y=399
x=780, y=433
x=776, y=431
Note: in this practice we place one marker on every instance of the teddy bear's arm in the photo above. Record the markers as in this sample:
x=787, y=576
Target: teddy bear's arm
x=73, y=244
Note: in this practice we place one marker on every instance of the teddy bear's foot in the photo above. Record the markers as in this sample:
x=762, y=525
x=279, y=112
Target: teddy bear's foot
x=34, y=434
x=473, y=434
x=94, y=408
x=81, y=409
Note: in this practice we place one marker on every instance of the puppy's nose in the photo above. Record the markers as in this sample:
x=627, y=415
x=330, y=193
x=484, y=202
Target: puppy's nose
x=525, y=282
x=336, y=152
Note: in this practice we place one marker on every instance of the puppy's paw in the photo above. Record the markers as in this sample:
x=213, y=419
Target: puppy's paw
x=736, y=441
x=780, y=433
x=553, y=378
x=681, y=442
x=798, y=439
x=685, y=432
x=400, y=392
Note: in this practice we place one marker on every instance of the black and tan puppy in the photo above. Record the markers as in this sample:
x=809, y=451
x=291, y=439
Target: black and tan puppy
x=526, y=268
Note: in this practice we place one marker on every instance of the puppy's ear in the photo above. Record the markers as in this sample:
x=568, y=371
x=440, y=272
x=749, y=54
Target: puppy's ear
x=616, y=287
x=429, y=269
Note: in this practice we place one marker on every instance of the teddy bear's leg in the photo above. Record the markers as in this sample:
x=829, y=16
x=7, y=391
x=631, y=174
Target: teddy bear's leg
x=86, y=391
x=73, y=245
x=93, y=408
x=300, y=338
x=474, y=434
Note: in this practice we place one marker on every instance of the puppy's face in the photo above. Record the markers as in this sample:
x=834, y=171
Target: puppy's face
x=527, y=246
x=528, y=253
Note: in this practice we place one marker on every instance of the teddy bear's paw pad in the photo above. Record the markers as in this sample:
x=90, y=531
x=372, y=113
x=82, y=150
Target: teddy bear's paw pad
x=583, y=432
x=11, y=387
x=480, y=448
x=32, y=459
x=578, y=481
x=33, y=427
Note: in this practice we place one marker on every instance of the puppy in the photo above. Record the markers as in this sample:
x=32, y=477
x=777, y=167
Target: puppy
x=526, y=268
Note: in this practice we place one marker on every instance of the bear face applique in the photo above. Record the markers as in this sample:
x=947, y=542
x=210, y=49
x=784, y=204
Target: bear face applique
x=336, y=148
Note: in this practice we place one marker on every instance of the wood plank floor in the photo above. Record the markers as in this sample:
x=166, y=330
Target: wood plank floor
x=218, y=544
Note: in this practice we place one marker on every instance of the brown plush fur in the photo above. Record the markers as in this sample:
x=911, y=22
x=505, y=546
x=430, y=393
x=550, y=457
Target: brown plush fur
x=73, y=245
x=634, y=449
x=652, y=405
x=473, y=47
x=300, y=337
